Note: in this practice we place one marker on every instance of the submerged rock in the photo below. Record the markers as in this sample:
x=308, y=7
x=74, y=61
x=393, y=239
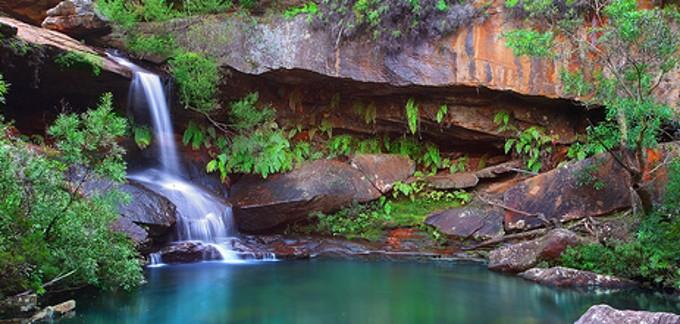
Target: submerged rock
x=605, y=314
x=188, y=252
x=572, y=278
x=519, y=257
x=468, y=222
x=323, y=185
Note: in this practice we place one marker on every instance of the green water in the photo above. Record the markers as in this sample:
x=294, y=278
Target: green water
x=348, y=292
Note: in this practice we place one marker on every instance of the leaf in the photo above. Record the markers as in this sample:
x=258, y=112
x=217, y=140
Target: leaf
x=508, y=145
x=211, y=166
x=142, y=137
x=441, y=113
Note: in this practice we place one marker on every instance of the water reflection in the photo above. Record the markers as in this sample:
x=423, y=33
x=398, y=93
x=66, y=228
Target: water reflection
x=349, y=292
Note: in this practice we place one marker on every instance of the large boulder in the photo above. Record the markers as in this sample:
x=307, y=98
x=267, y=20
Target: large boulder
x=76, y=18
x=572, y=278
x=383, y=170
x=148, y=208
x=605, y=314
x=477, y=222
x=146, y=215
x=592, y=187
x=519, y=257
x=323, y=185
x=30, y=11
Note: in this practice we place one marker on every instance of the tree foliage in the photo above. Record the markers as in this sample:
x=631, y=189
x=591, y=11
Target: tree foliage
x=629, y=51
x=48, y=228
x=197, y=78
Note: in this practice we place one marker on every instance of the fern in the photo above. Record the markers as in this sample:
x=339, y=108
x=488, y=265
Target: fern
x=142, y=136
x=340, y=146
x=412, y=115
x=441, y=113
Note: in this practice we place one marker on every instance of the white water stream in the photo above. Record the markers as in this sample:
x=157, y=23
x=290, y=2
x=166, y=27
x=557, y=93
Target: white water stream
x=201, y=216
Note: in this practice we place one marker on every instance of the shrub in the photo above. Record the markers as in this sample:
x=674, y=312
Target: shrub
x=393, y=23
x=309, y=8
x=47, y=228
x=80, y=60
x=198, y=7
x=356, y=221
x=529, y=42
x=152, y=45
x=197, y=78
x=119, y=11
x=4, y=86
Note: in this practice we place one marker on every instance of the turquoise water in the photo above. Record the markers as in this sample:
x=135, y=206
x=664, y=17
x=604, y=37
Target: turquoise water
x=348, y=292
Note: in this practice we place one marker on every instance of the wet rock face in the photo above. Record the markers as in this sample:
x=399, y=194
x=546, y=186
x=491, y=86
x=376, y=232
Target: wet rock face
x=155, y=213
x=323, y=185
x=569, y=192
x=188, y=252
x=572, y=278
x=522, y=256
x=148, y=208
x=476, y=222
x=605, y=314
x=76, y=18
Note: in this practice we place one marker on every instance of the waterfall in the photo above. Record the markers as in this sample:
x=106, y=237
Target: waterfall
x=201, y=216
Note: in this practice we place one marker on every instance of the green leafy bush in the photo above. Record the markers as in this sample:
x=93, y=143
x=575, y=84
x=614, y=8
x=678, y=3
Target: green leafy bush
x=309, y=8
x=532, y=144
x=393, y=23
x=152, y=45
x=120, y=12
x=529, y=42
x=199, y=7
x=197, y=78
x=47, y=228
x=80, y=60
x=4, y=87
x=356, y=221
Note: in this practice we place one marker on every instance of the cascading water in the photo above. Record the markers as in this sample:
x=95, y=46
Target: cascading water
x=201, y=215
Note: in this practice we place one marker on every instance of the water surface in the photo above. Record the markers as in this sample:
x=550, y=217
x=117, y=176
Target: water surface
x=329, y=292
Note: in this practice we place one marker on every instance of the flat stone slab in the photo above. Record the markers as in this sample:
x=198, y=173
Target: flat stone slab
x=468, y=222
x=461, y=180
